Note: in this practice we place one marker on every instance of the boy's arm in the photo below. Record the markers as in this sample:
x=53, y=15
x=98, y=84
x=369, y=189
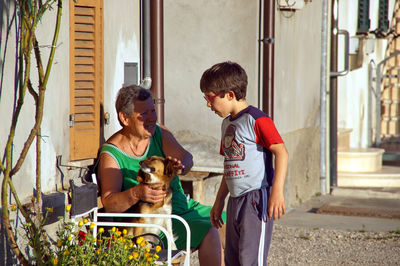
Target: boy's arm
x=216, y=211
x=276, y=202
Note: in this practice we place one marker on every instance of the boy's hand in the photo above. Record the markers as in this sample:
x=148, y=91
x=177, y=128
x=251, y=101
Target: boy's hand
x=276, y=205
x=215, y=214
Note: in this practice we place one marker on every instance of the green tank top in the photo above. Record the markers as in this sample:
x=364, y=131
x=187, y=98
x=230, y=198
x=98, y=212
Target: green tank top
x=129, y=166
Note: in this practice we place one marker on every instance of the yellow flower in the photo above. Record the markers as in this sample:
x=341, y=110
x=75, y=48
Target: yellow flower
x=13, y=208
x=91, y=225
x=135, y=254
x=80, y=223
x=69, y=238
x=139, y=240
x=130, y=257
x=147, y=250
x=124, y=232
x=113, y=229
x=66, y=252
x=50, y=210
x=149, y=258
x=55, y=261
x=143, y=243
x=125, y=247
x=156, y=256
x=98, y=251
x=99, y=242
x=101, y=230
x=68, y=208
x=59, y=243
x=131, y=245
x=158, y=248
x=118, y=233
x=85, y=221
x=146, y=254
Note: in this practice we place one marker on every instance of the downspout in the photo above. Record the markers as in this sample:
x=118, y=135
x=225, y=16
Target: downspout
x=157, y=56
x=323, y=91
x=333, y=96
x=145, y=44
x=268, y=63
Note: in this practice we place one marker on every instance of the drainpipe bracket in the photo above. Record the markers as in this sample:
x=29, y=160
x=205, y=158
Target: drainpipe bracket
x=159, y=101
x=268, y=40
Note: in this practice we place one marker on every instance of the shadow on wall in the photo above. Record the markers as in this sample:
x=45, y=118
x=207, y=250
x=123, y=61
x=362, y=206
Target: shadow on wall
x=7, y=257
x=8, y=18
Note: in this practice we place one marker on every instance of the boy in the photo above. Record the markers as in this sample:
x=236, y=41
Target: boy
x=249, y=139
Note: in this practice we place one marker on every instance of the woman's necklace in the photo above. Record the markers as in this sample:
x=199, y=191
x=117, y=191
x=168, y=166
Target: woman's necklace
x=132, y=150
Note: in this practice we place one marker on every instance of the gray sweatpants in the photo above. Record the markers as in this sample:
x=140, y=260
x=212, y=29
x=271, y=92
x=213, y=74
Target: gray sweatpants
x=248, y=229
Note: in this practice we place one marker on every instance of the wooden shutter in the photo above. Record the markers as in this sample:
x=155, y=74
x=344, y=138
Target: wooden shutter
x=86, y=77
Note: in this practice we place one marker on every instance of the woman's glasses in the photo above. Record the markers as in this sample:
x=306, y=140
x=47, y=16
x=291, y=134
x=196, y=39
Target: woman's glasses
x=210, y=99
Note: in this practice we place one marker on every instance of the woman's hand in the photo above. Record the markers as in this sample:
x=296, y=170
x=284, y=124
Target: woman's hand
x=176, y=164
x=151, y=193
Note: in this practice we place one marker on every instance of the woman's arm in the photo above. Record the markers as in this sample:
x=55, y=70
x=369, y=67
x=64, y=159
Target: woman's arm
x=172, y=148
x=113, y=199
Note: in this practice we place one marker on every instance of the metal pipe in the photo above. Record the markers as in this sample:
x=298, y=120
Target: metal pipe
x=260, y=43
x=323, y=91
x=333, y=98
x=268, y=64
x=157, y=56
x=145, y=44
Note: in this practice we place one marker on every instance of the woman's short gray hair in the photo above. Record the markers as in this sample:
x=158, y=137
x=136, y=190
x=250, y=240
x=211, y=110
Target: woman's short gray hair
x=127, y=96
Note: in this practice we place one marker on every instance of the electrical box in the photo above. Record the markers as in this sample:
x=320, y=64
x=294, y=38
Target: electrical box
x=130, y=73
x=290, y=4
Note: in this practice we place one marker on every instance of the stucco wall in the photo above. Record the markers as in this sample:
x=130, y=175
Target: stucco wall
x=56, y=109
x=297, y=85
x=353, y=89
x=197, y=35
x=121, y=44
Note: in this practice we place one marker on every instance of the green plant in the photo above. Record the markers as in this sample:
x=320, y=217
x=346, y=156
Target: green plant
x=397, y=231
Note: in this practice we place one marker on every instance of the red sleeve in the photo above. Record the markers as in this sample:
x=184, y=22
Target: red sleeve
x=266, y=133
x=221, y=151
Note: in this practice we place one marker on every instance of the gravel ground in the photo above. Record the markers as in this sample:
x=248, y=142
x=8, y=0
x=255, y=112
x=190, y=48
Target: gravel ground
x=303, y=246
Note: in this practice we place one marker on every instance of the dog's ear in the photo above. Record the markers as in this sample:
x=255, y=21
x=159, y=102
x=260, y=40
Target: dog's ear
x=169, y=169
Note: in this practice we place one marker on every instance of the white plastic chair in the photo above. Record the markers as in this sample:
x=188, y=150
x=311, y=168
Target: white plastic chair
x=90, y=195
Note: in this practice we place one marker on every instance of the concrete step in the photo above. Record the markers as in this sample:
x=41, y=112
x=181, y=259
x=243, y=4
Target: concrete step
x=367, y=192
x=359, y=160
x=386, y=177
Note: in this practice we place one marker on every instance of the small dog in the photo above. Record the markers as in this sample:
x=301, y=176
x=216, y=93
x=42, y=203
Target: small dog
x=155, y=170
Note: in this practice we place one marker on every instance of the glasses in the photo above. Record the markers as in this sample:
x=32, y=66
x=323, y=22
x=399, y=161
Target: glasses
x=211, y=99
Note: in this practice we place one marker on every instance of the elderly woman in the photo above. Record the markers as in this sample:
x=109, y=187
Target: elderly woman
x=139, y=138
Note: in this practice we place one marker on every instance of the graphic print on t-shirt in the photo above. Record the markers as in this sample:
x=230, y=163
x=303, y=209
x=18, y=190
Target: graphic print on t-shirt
x=232, y=151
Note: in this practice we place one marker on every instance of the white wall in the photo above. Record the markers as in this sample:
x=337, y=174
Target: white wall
x=121, y=44
x=56, y=109
x=197, y=35
x=353, y=92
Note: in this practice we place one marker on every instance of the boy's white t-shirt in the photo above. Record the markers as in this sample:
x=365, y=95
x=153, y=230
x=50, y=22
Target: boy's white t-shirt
x=245, y=145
